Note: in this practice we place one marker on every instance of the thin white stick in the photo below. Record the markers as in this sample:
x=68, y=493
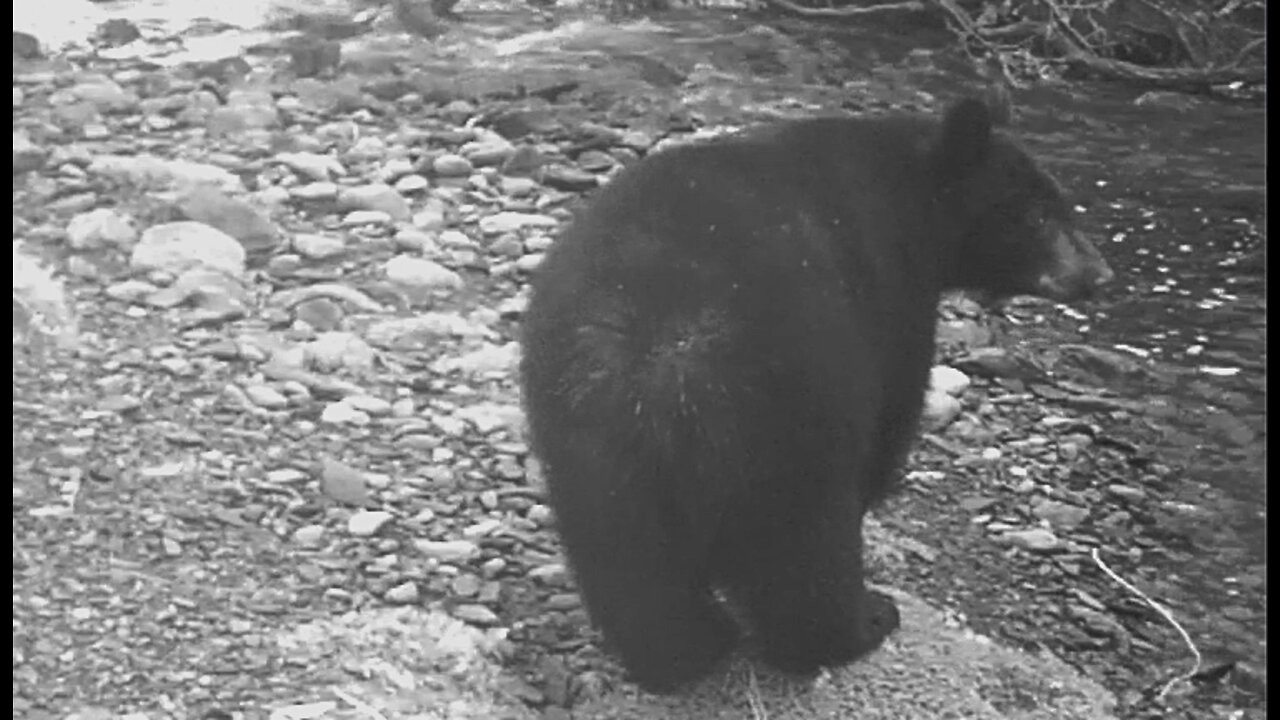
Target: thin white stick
x=1195, y=669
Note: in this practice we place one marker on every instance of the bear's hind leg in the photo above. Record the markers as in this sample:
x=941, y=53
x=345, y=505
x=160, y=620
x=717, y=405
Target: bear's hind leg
x=801, y=585
x=643, y=576
x=664, y=624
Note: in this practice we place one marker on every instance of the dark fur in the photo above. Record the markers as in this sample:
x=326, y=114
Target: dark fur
x=724, y=361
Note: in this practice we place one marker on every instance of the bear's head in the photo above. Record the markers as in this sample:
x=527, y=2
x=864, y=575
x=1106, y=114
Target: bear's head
x=1013, y=229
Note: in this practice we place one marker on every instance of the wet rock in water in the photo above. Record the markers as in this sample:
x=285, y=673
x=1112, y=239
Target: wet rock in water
x=1105, y=364
x=1166, y=100
x=116, y=32
x=994, y=363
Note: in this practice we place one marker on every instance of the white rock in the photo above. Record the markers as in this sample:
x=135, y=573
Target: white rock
x=487, y=359
x=146, y=170
x=369, y=404
x=487, y=417
x=100, y=227
x=1033, y=539
x=312, y=166
x=406, y=593
x=530, y=262
x=421, y=273
x=334, y=350
x=315, y=191
x=266, y=397
x=309, y=535
x=131, y=291
x=940, y=409
x=451, y=165
x=949, y=380
x=318, y=247
x=365, y=523
x=504, y=222
x=447, y=550
x=178, y=246
x=341, y=413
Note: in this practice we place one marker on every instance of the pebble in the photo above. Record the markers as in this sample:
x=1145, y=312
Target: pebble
x=367, y=522
x=421, y=273
x=405, y=593
x=266, y=397
x=451, y=165
x=318, y=247
x=342, y=413
x=448, y=551
x=1032, y=539
x=309, y=535
x=948, y=380
x=475, y=614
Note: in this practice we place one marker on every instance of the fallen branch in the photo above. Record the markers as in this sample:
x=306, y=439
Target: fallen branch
x=851, y=10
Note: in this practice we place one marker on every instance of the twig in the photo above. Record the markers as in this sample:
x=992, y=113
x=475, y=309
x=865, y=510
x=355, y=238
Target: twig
x=849, y=11
x=1168, y=616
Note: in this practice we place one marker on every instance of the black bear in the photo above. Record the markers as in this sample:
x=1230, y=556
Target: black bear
x=724, y=361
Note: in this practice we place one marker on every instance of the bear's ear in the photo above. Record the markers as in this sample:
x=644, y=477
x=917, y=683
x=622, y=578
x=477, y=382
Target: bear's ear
x=964, y=140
